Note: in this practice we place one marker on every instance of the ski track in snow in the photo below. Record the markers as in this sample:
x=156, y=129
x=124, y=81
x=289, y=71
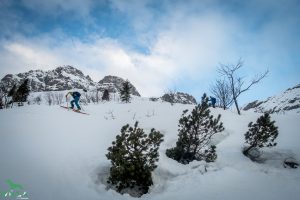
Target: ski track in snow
x=58, y=154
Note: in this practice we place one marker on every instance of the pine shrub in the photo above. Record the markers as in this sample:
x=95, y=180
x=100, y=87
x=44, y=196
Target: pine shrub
x=261, y=134
x=195, y=132
x=125, y=92
x=133, y=156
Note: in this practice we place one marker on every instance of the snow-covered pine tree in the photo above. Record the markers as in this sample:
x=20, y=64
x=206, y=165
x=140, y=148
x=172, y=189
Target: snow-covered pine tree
x=12, y=95
x=195, y=132
x=1, y=102
x=105, y=96
x=22, y=92
x=261, y=134
x=12, y=91
x=3, y=97
x=133, y=156
x=125, y=92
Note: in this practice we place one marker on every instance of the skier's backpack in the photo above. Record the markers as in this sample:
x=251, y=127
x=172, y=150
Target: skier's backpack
x=76, y=94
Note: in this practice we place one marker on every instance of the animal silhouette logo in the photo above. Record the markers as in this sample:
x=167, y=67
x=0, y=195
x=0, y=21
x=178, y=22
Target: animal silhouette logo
x=15, y=191
x=14, y=186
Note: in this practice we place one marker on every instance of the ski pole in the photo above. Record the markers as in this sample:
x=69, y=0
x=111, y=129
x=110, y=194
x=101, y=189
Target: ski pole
x=67, y=101
x=80, y=104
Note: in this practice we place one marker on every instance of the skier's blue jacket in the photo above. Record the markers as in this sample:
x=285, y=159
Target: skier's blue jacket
x=213, y=100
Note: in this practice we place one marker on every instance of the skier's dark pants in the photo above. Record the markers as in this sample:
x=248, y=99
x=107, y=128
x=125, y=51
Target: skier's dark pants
x=213, y=102
x=75, y=100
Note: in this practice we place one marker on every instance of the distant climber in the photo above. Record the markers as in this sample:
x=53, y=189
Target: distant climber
x=76, y=97
x=213, y=101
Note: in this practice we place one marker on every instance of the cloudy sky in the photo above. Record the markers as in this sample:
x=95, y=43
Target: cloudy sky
x=159, y=45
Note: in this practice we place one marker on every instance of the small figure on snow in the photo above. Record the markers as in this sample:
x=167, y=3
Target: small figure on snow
x=213, y=101
x=76, y=97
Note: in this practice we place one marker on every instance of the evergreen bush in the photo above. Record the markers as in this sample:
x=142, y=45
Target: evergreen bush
x=125, y=92
x=261, y=134
x=195, y=132
x=133, y=156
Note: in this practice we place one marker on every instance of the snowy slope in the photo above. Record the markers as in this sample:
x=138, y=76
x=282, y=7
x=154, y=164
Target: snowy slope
x=58, y=154
x=288, y=101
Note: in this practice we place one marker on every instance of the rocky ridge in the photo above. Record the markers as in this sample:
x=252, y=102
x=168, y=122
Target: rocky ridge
x=62, y=78
x=288, y=101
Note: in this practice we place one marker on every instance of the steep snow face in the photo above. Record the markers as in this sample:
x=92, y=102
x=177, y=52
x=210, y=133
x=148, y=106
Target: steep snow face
x=114, y=84
x=59, y=154
x=288, y=101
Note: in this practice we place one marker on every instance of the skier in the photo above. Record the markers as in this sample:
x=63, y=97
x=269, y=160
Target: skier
x=213, y=101
x=76, y=97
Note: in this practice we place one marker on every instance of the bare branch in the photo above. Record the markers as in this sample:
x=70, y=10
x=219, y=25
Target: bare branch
x=254, y=81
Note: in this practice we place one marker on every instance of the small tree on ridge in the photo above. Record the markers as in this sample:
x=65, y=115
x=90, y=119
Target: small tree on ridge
x=125, y=92
x=195, y=132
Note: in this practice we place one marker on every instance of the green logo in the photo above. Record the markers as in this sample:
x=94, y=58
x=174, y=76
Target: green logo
x=15, y=191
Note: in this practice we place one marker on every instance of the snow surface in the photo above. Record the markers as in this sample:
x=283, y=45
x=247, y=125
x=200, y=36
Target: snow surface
x=58, y=154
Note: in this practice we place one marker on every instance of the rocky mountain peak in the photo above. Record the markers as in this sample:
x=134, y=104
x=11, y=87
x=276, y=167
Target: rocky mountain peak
x=63, y=78
x=110, y=79
x=69, y=70
x=115, y=83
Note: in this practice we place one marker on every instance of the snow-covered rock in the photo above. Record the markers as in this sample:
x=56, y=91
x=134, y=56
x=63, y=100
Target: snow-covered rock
x=288, y=101
x=114, y=84
x=179, y=97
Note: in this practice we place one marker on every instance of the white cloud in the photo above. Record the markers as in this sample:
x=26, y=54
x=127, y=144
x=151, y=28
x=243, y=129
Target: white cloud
x=99, y=58
x=189, y=47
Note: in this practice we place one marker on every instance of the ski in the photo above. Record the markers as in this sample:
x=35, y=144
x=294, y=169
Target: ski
x=77, y=111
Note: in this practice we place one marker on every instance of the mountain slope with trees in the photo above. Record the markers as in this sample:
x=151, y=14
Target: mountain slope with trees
x=63, y=78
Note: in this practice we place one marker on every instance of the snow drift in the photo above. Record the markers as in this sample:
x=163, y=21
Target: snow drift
x=58, y=154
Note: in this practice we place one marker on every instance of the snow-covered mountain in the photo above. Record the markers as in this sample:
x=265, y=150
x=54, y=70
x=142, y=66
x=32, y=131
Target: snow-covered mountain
x=179, y=97
x=288, y=101
x=114, y=84
x=63, y=78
